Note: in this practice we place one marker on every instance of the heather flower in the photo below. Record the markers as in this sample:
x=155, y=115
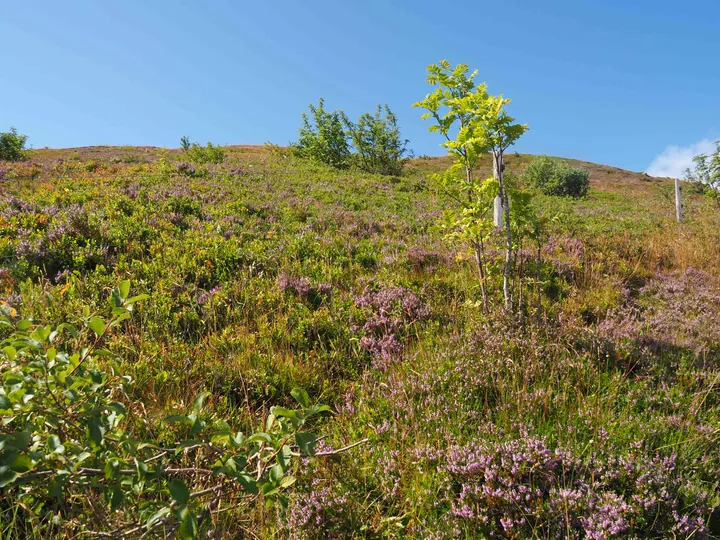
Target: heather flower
x=185, y=168
x=392, y=311
x=314, y=294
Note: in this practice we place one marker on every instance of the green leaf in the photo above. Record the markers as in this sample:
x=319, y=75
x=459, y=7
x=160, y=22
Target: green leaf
x=188, y=528
x=124, y=289
x=287, y=481
x=10, y=351
x=280, y=412
x=197, y=405
x=5, y=404
x=21, y=463
x=276, y=473
x=162, y=513
x=301, y=396
x=116, y=497
x=176, y=419
x=55, y=445
x=306, y=442
x=7, y=476
x=248, y=483
x=97, y=325
x=23, y=325
x=95, y=431
x=260, y=436
x=179, y=491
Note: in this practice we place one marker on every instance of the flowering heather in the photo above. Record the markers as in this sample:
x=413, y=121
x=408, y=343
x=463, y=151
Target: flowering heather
x=422, y=259
x=565, y=254
x=391, y=314
x=515, y=487
x=673, y=311
x=325, y=512
x=185, y=168
x=315, y=295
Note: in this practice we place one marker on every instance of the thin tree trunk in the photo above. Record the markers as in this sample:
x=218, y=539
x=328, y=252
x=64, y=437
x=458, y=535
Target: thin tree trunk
x=520, y=267
x=507, y=272
x=539, y=276
x=480, y=260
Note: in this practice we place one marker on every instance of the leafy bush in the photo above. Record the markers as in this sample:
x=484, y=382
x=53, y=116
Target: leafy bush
x=201, y=155
x=556, y=177
x=707, y=173
x=324, y=139
x=69, y=435
x=378, y=144
x=12, y=146
x=331, y=138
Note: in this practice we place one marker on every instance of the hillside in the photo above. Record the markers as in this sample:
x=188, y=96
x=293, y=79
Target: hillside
x=593, y=414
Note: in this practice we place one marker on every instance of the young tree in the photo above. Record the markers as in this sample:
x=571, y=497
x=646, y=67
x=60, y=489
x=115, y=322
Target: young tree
x=12, y=146
x=324, y=139
x=479, y=124
x=378, y=144
x=707, y=172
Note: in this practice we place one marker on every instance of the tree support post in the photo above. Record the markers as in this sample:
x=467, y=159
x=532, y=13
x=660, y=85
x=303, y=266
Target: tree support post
x=678, y=201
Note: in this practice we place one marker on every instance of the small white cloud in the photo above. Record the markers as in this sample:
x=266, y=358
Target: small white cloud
x=673, y=161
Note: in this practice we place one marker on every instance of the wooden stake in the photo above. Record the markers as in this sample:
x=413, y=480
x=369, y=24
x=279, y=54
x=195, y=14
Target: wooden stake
x=678, y=201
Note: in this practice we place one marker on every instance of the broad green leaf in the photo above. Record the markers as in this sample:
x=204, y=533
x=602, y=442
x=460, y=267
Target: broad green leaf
x=23, y=325
x=160, y=514
x=179, y=491
x=95, y=431
x=124, y=288
x=260, y=437
x=248, y=483
x=116, y=497
x=197, y=405
x=176, y=419
x=276, y=473
x=287, y=481
x=301, y=396
x=306, y=442
x=22, y=463
x=97, y=325
x=188, y=527
x=55, y=445
x=5, y=404
x=7, y=476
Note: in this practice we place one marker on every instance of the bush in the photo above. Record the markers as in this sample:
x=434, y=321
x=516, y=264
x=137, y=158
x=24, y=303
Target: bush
x=331, y=138
x=324, y=139
x=68, y=437
x=556, y=177
x=379, y=147
x=201, y=155
x=12, y=146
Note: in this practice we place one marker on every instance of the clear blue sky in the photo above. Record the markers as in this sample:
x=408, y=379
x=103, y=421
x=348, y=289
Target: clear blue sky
x=611, y=81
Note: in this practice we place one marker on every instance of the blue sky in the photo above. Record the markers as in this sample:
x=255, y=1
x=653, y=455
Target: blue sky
x=622, y=82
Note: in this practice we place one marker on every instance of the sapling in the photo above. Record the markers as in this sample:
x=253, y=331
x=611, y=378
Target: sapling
x=473, y=123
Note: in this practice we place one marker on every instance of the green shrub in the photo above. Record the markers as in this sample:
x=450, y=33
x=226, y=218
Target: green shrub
x=555, y=177
x=71, y=433
x=373, y=145
x=378, y=144
x=324, y=139
x=201, y=155
x=12, y=146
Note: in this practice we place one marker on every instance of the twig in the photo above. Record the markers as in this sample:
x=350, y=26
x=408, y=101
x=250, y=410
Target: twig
x=343, y=449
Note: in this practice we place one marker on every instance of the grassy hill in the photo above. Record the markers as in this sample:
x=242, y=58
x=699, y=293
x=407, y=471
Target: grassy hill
x=595, y=415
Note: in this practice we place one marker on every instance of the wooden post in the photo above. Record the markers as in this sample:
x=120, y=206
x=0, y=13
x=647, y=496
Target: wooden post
x=678, y=201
